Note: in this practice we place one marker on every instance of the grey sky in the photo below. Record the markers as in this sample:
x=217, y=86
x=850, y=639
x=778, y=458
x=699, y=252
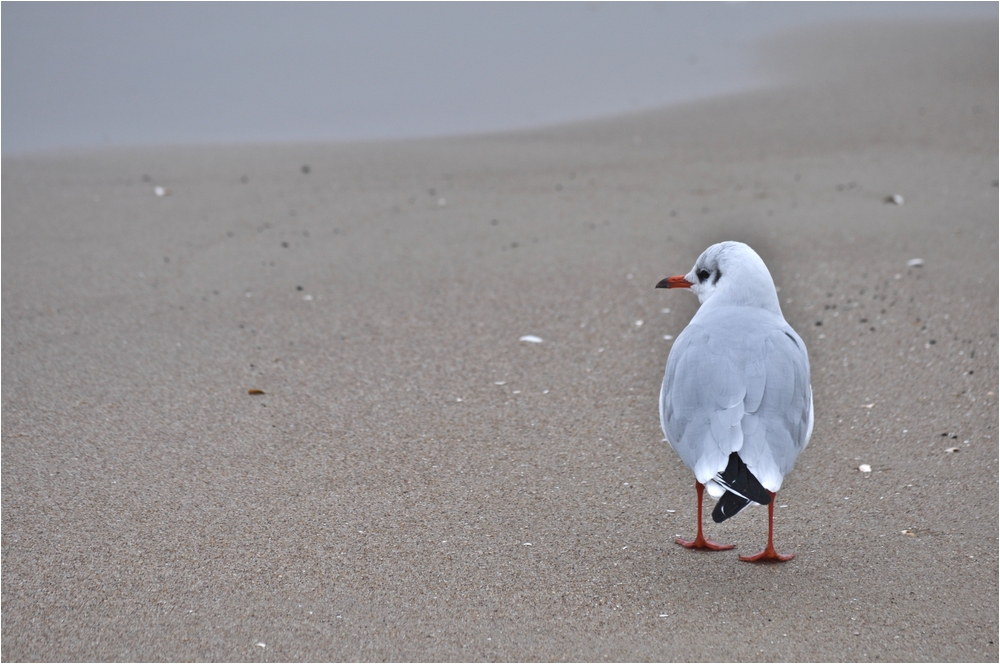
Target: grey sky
x=86, y=74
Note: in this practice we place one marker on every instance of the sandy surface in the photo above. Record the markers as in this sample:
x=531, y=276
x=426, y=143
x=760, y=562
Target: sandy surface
x=417, y=484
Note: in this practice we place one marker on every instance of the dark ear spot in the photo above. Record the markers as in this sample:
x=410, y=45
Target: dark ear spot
x=718, y=273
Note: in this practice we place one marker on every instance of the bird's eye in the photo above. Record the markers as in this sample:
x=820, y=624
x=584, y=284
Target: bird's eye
x=702, y=275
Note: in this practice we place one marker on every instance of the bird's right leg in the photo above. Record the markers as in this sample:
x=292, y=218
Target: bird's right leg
x=769, y=554
x=700, y=542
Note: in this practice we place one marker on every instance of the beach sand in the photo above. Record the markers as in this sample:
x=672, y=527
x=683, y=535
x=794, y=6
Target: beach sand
x=416, y=483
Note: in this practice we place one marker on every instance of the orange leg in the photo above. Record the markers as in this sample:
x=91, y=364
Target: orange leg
x=769, y=554
x=700, y=542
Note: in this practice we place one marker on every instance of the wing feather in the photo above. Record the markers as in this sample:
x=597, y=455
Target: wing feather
x=727, y=391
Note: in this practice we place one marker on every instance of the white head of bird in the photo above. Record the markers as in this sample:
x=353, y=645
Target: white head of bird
x=729, y=274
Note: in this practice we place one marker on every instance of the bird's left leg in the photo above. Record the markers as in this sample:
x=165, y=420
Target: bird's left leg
x=700, y=542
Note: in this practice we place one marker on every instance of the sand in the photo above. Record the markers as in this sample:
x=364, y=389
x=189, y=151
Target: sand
x=415, y=483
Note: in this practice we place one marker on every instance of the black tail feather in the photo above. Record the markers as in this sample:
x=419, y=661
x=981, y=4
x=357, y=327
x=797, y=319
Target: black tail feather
x=742, y=487
x=738, y=479
x=729, y=505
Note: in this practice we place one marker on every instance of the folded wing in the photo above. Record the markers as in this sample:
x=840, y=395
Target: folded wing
x=726, y=391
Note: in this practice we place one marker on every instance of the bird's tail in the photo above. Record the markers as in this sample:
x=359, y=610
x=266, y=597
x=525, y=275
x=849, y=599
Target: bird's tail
x=741, y=488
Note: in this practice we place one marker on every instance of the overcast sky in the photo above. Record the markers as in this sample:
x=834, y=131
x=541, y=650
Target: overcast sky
x=84, y=75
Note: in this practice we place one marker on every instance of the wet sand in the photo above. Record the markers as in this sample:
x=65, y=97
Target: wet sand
x=415, y=483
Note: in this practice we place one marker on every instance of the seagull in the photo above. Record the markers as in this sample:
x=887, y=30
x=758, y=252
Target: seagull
x=736, y=403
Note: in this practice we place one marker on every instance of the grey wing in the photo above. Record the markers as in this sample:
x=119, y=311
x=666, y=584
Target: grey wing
x=779, y=414
x=702, y=401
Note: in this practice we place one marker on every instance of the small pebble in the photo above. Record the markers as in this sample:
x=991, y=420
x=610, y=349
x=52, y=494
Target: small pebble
x=865, y=468
x=530, y=338
x=895, y=199
x=915, y=262
x=159, y=191
x=951, y=450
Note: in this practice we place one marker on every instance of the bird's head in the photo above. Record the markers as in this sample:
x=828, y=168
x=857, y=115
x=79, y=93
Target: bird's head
x=732, y=273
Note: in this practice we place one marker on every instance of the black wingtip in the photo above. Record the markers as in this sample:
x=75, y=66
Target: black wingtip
x=738, y=477
x=729, y=505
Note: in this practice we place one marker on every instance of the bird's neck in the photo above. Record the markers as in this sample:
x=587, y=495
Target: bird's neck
x=746, y=293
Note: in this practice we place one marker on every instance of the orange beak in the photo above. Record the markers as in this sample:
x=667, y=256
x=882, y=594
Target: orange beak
x=674, y=282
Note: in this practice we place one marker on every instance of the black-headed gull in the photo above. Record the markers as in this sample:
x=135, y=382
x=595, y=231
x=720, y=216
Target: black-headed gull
x=736, y=403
